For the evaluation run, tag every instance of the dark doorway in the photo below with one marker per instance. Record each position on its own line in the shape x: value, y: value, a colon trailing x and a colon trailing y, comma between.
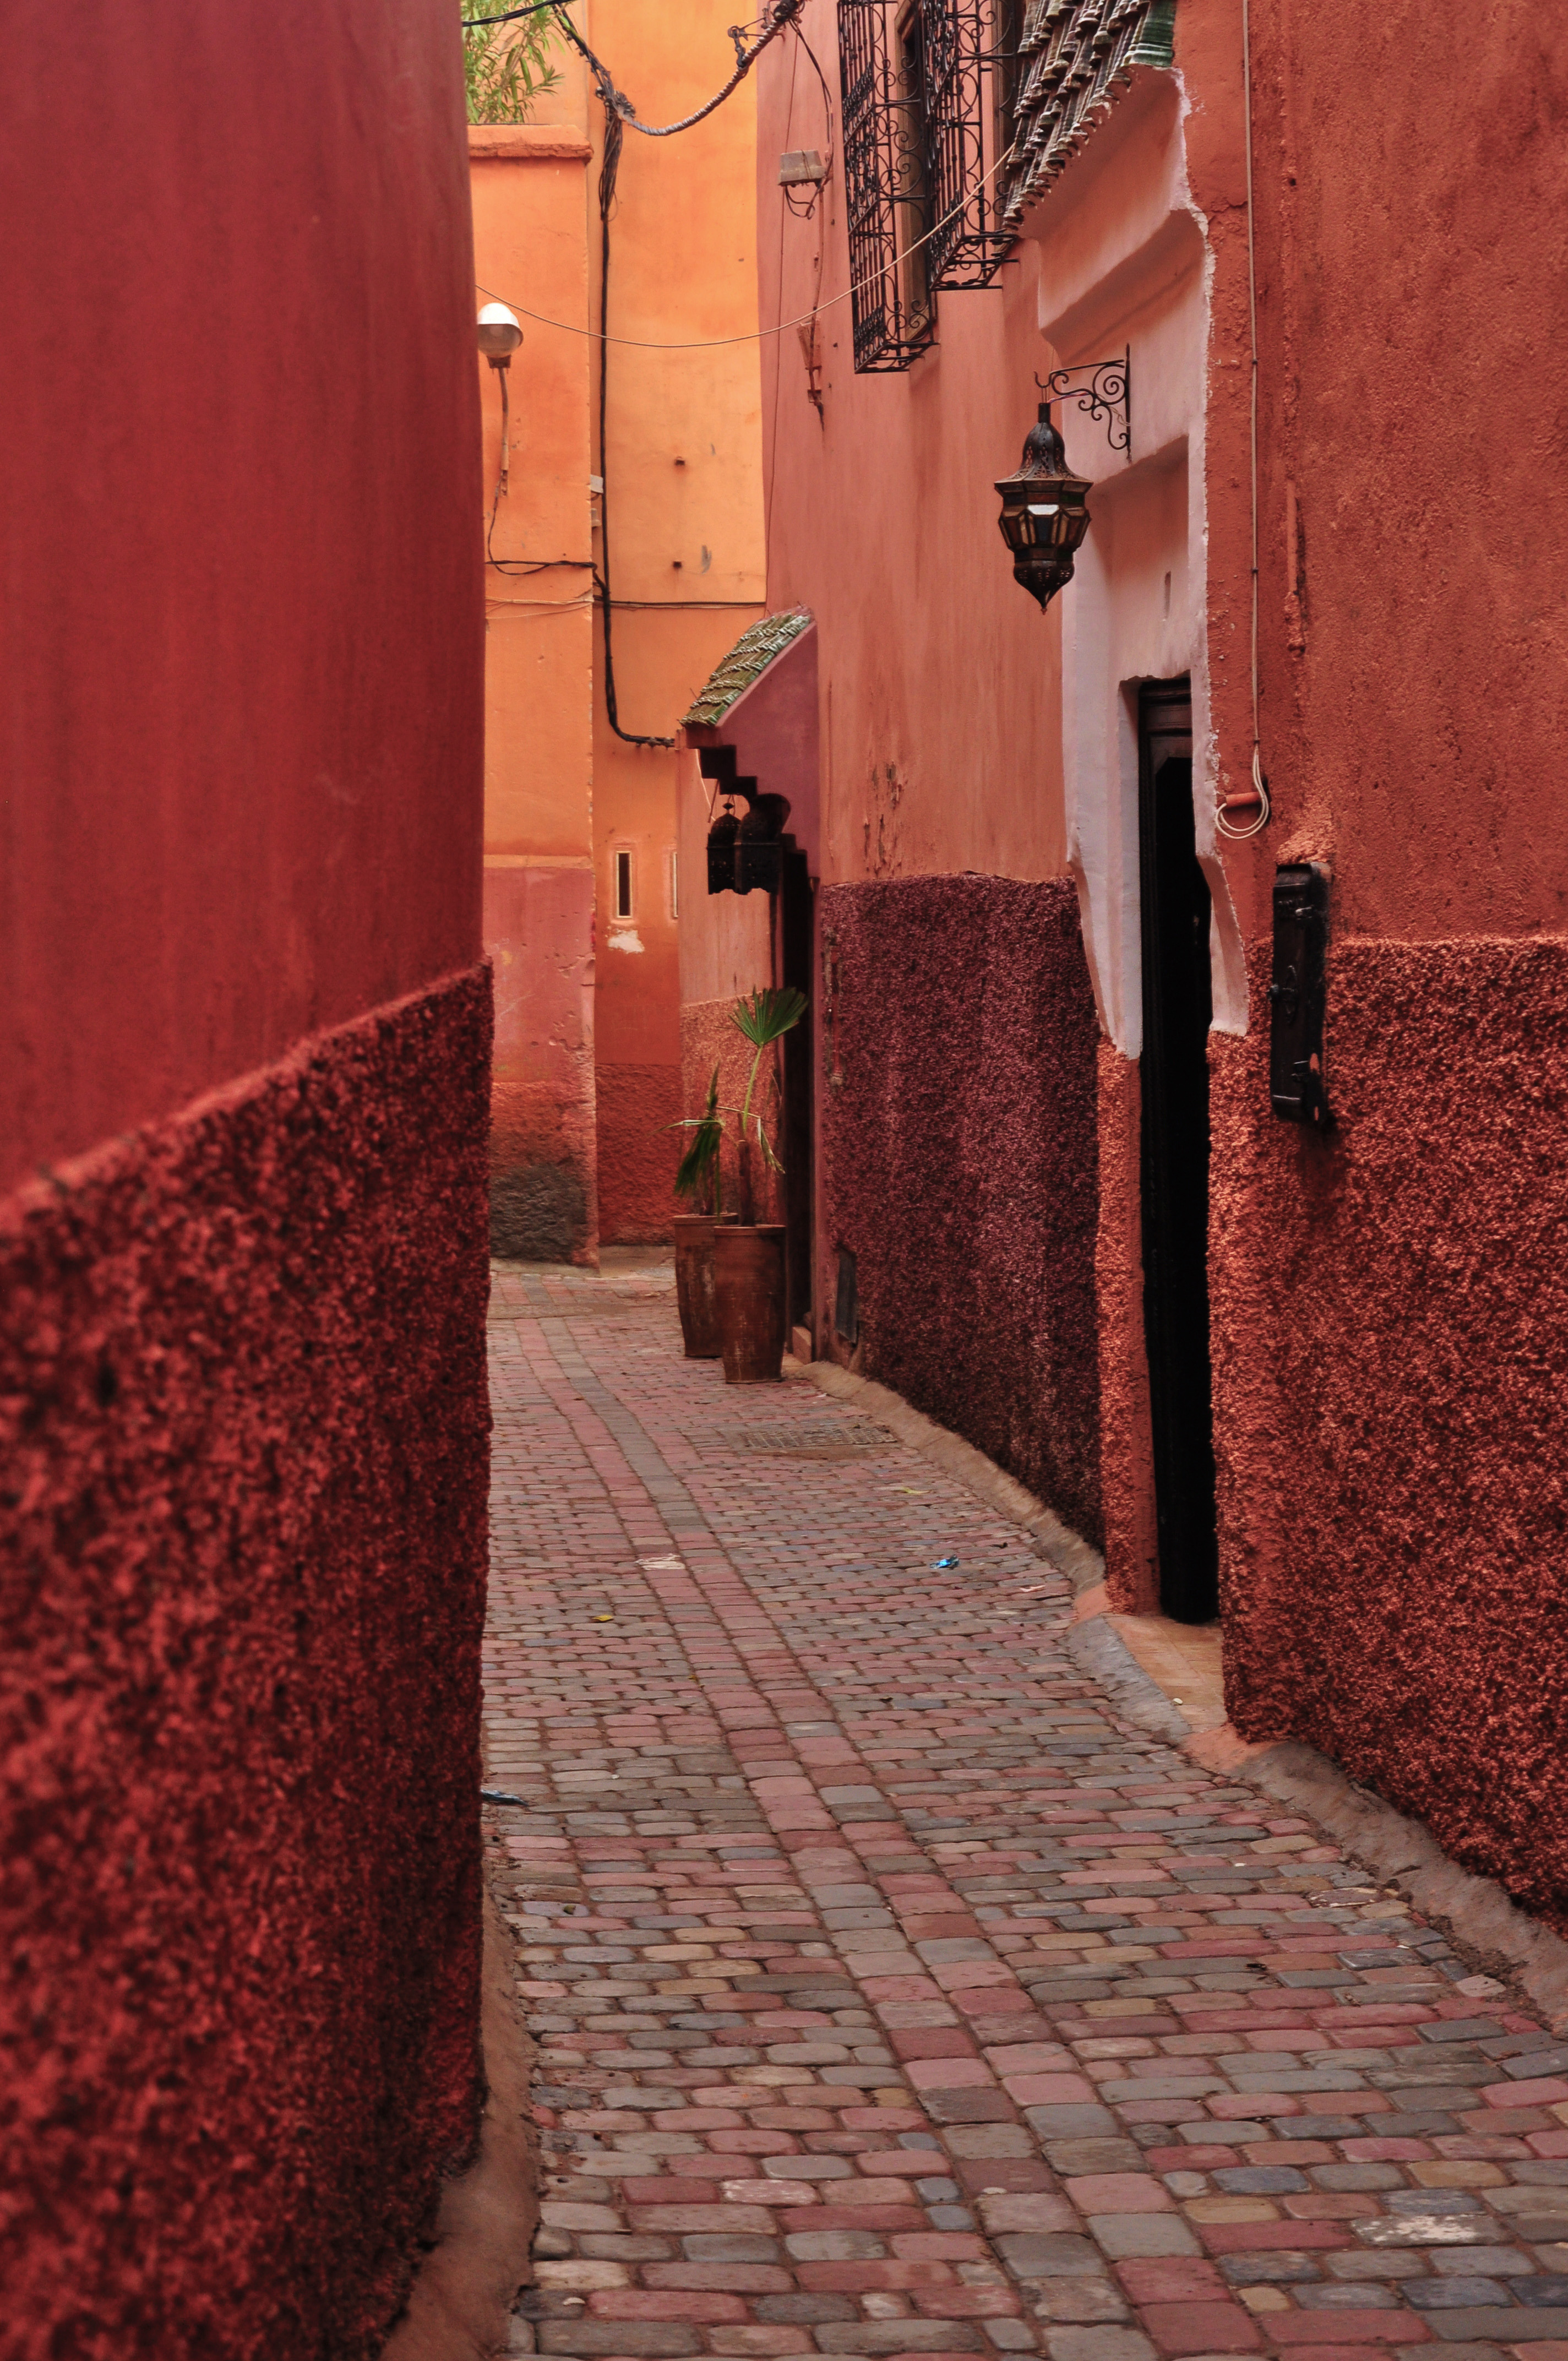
x: 795, y: 959
x: 1175, y: 1178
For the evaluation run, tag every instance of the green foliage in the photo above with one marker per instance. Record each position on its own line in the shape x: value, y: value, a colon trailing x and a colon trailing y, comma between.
x: 766, y: 1015
x: 700, y: 1165
x: 505, y: 66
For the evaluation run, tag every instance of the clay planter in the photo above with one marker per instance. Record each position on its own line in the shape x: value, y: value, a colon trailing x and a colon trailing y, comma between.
x: 748, y: 1281
x: 694, y: 1284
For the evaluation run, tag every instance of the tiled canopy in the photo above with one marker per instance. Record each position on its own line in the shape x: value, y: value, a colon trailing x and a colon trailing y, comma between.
x: 1075, y: 54
x: 752, y: 655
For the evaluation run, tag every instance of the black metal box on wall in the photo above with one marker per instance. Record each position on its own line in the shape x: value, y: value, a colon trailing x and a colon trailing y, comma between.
x: 1297, y: 994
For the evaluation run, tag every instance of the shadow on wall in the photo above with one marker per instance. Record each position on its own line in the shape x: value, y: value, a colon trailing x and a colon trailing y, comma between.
x: 960, y: 1164
x: 539, y: 1213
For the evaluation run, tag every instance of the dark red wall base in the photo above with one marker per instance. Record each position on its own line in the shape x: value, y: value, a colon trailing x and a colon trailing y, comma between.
x: 1390, y: 1334
x: 243, y: 1437
x: 960, y: 1162
x: 639, y: 1150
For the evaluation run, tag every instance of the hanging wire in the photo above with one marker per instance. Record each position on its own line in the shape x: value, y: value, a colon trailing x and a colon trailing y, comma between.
x: 784, y: 13
x: 751, y: 335
x: 1260, y: 819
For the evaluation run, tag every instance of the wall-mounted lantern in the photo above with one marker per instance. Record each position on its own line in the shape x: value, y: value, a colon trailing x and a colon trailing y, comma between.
x: 1044, y: 518
x: 745, y: 854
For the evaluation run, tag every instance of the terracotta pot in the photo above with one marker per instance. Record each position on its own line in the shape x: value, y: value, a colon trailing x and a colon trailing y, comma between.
x: 748, y: 1281
x: 694, y: 1284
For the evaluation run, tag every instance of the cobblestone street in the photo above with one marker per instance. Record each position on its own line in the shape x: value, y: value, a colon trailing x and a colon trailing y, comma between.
x: 894, y: 1996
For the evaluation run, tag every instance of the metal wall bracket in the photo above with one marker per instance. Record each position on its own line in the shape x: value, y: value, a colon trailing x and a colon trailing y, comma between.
x: 1108, y: 394
x: 1297, y: 1088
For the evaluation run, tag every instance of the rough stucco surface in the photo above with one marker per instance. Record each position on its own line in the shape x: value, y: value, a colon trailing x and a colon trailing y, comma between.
x: 637, y: 1152
x: 1390, y: 1335
x: 243, y: 1432
x: 959, y: 1164
x: 1126, y: 1451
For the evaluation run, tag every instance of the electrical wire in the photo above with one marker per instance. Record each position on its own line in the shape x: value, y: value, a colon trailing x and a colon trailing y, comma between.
x: 783, y: 14
x: 1261, y: 817
x: 751, y: 335
x: 608, y: 171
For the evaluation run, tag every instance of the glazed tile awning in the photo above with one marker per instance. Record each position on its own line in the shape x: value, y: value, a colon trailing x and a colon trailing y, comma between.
x: 750, y: 657
x: 1074, y: 56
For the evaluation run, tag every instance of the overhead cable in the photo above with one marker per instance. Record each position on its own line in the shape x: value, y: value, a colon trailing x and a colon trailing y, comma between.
x: 751, y: 335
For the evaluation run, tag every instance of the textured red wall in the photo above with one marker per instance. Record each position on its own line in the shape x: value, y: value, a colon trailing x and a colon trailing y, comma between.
x: 1389, y: 1304
x: 959, y: 1163
x: 637, y: 1152
x: 1389, y: 1324
x: 244, y: 1430
x: 240, y: 622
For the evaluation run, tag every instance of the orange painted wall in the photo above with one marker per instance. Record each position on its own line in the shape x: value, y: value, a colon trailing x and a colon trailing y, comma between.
x: 587, y: 1004
x: 684, y: 492
x: 529, y: 185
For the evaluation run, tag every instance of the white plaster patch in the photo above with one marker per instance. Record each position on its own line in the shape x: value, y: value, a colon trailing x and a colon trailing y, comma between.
x: 629, y: 940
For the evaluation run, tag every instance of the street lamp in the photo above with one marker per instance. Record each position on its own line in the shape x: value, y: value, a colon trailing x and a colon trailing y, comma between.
x: 1043, y: 518
x: 500, y: 333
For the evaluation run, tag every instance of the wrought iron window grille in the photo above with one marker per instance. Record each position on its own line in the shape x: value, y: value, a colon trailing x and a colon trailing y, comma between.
x: 922, y: 144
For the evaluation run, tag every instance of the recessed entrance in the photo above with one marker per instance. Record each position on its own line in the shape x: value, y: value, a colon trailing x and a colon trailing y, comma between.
x: 1174, y: 1068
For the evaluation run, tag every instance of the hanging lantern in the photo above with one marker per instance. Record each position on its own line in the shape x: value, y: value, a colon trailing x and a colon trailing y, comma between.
x: 721, y: 839
x: 1043, y: 518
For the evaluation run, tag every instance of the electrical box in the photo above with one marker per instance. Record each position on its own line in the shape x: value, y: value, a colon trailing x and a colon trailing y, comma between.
x: 799, y: 165
x: 1296, y: 1087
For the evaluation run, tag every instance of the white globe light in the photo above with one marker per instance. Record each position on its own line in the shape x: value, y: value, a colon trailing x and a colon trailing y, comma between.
x: 500, y: 333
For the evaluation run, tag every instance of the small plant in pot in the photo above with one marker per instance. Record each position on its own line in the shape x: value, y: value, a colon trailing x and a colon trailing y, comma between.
x: 749, y: 1272
x: 700, y: 1181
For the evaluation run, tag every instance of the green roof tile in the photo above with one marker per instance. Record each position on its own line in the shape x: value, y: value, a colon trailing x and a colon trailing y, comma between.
x: 750, y: 657
x: 1075, y: 57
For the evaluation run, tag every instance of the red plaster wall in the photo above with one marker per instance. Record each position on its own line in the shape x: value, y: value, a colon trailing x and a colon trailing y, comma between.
x: 242, y: 1425
x: 1388, y: 1304
x: 959, y: 1164
x: 240, y: 597
x: 244, y: 1431
x: 539, y: 931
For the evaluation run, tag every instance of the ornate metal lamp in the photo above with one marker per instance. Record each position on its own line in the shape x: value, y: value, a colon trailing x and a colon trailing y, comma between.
x: 1043, y: 518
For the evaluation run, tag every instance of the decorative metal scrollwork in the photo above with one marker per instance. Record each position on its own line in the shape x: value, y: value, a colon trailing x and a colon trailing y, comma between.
x: 921, y: 128
x: 1108, y: 394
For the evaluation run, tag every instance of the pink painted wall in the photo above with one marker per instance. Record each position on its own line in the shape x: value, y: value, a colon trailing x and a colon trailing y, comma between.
x: 940, y: 696
x: 240, y: 630
x: 246, y: 1038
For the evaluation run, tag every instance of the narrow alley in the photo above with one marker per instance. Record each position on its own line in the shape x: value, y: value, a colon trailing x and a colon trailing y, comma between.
x: 893, y: 1994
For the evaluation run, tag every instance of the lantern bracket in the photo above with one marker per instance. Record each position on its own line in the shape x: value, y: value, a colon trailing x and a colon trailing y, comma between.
x: 1108, y: 394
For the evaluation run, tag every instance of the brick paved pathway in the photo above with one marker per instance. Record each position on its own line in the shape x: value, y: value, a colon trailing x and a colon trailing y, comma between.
x: 894, y: 1996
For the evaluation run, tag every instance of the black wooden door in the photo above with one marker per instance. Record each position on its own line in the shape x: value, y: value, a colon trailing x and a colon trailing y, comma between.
x: 1175, y: 1178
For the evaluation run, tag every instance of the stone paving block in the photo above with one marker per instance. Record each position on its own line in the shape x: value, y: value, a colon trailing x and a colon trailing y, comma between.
x: 844, y: 1967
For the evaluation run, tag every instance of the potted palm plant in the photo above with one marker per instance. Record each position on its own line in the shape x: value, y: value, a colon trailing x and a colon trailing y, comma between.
x: 749, y: 1272
x: 700, y: 1181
